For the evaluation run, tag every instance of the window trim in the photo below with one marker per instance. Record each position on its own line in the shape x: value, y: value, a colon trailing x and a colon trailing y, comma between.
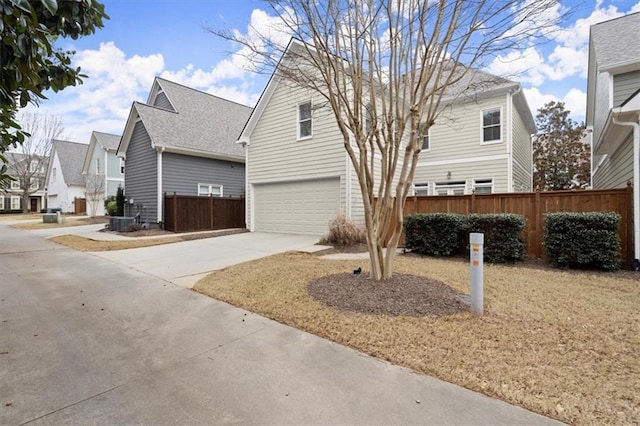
x: 209, y: 186
x: 482, y: 126
x: 15, y: 184
x: 483, y: 183
x: 53, y: 174
x: 1, y: 202
x: 421, y: 185
x: 299, y: 121
x: 12, y: 200
x: 428, y: 136
x: 121, y: 165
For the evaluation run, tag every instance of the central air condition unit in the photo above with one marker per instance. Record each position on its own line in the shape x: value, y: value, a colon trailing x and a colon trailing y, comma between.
x: 120, y: 223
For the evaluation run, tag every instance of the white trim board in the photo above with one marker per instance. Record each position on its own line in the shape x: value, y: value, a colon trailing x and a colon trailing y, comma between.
x: 464, y: 160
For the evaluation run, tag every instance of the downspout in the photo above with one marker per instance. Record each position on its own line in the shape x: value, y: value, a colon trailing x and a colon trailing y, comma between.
x: 636, y: 182
x: 348, y: 185
x: 247, y: 212
x: 160, y: 207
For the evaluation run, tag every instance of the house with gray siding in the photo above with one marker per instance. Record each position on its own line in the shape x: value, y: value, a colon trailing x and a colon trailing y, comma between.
x: 103, y: 171
x: 181, y: 140
x: 613, y: 107
x: 481, y: 143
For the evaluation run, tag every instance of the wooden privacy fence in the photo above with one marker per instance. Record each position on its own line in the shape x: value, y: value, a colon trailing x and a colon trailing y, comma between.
x: 79, y: 205
x: 534, y: 206
x: 185, y: 213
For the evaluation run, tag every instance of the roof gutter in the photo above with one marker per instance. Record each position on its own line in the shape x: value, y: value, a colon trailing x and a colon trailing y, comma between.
x: 636, y: 179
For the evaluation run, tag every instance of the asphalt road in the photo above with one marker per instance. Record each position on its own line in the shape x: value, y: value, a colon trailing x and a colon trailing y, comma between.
x: 84, y: 340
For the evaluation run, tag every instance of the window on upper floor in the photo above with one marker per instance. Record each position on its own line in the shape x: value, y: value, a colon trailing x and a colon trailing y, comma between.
x: 121, y: 166
x: 206, y: 189
x: 15, y: 184
x: 305, y: 120
x: 425, y: 142
x: 34, y: 183
x: 491, y: 125
x: 483, y: 186
x: 421, y: 189
x: 33, y: 166
x: 97, y: 166
x: 53, y: 175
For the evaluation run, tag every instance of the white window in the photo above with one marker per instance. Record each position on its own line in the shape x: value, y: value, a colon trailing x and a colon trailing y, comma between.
x: 450, y: 188
x: 33, y: 166
x: 15, y: 203
x: 421, y: 189
x: 483, y: 186
x: 53, y: 175
x: 305, y: 124
x: 15, y: 184
x: 121, y: 166
x: 206, y: 189
x: 97, y: 166
x: 1, y: 202
x: 425, y: 142
x: 34, y: 183
x: 491, y: 128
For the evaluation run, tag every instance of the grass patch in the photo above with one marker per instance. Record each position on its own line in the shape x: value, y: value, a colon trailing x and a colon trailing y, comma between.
x: 21, y: 216
x: 560, y: 344
x: 79, y: 243
x: 68, y: 221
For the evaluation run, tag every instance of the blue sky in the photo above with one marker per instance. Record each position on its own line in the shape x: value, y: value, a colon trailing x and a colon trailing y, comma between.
x: 168, y: 38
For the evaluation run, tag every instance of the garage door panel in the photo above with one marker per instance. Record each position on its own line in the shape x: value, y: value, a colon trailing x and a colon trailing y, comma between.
x: 301, y: 207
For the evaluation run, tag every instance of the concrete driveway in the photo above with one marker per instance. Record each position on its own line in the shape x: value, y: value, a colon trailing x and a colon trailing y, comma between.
x: 187, y: 262
x: 88, y: 341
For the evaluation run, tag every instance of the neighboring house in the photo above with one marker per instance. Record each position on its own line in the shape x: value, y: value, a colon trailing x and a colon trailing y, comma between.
x: 64, y: 181
x: 29, y: 170
x: 102, y: 170
x: 183, y: 141
x: 613, y: 107
x: 299, y: 176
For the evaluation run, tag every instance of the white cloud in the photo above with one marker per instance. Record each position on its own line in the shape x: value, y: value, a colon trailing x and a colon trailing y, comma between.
x: 526, y: 66
x: 575, y: 101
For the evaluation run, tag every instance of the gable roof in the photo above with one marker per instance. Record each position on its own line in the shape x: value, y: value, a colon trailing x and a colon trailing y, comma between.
x: 474, y: 85
x: 71, y: 156
x: 203, y: 125
x: 105, y: 141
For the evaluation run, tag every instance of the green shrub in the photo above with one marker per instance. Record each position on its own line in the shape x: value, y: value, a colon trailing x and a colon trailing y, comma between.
x: 112, y: 207
x: 583, y: 239
x: 502, y: 240
x: 434, y: 234
x: 343, y: 232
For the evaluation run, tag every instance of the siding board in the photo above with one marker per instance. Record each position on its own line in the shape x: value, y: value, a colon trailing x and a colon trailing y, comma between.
x: 617, y: 168
x: 141, y: 174
x: 624, y: 85
x: 182, y: 174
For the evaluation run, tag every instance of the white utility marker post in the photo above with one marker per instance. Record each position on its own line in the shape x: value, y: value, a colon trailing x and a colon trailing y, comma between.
x: 476, y: 243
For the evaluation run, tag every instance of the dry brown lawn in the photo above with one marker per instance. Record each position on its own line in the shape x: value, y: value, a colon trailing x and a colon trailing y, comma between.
x: 68, y: 221
x: 562, y: 344
x: 86, y: 244
x: 20, y: 216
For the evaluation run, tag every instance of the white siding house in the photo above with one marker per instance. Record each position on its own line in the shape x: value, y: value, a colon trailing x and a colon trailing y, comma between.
x: 64, y: 178
x: 299, y: 176
x: 613, y: 107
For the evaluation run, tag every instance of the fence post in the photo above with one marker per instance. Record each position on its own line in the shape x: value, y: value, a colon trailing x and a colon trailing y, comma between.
x: 211, y: 211
x: 175, y: 212
x: 538, y: 221
x: 631, y: 244
x: 473, y: 201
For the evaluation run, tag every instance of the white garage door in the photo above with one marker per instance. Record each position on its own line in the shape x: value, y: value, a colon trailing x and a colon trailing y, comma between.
x: 302, y: 207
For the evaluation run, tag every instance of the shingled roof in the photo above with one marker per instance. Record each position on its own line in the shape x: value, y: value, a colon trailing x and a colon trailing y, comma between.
x: 202, y: 124
x: 108, y: 141
x: 71, y: 156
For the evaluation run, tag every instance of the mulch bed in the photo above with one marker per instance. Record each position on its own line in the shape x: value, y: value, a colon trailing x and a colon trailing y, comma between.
x: 402, y: 295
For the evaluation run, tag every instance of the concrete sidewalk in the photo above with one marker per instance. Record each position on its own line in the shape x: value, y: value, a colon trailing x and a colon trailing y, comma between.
x: 87, y: 341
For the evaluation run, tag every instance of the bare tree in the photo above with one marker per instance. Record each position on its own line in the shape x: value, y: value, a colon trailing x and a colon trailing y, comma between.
x: 387, y: 69
x: 94, y: 191
x: 27, y: 163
